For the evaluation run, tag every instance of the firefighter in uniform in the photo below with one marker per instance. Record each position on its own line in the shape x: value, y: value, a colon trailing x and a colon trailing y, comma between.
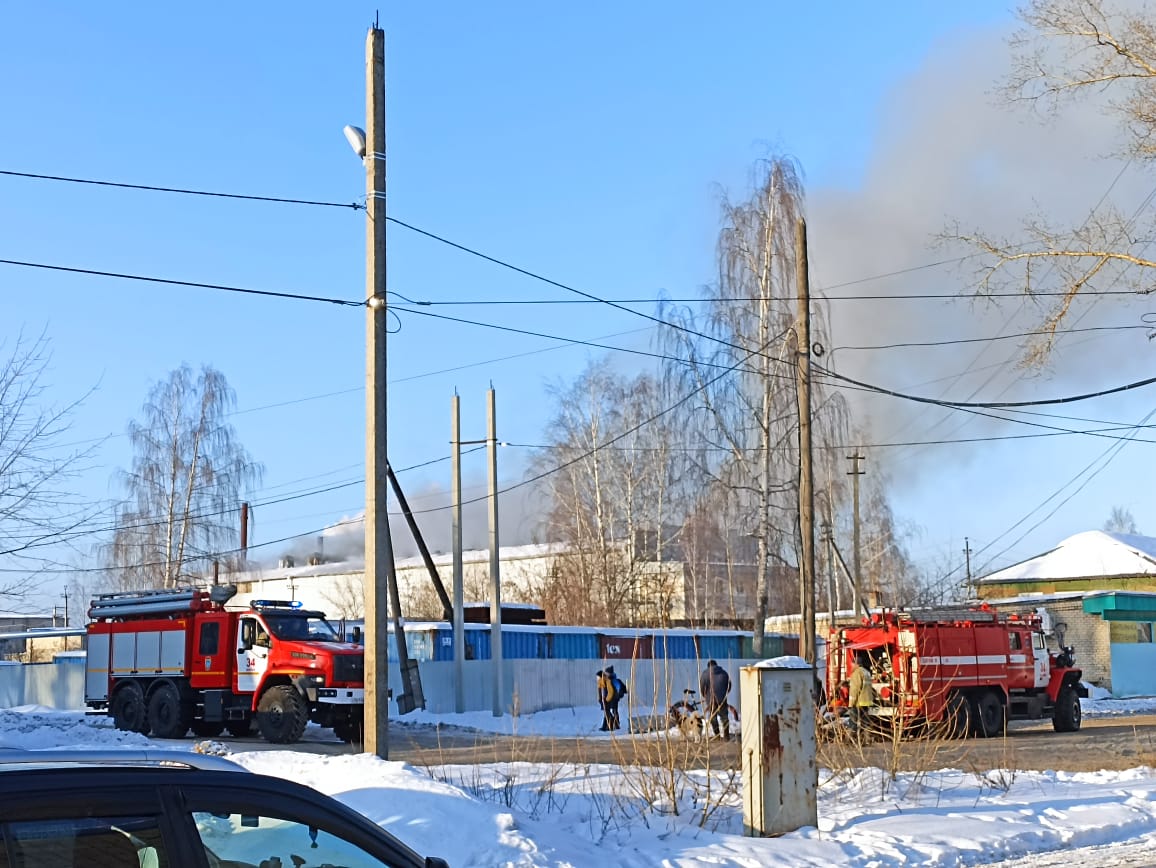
x: 861, y: 695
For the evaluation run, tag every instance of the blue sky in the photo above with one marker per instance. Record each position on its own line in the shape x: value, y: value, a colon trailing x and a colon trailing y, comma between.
x: 589, y: 144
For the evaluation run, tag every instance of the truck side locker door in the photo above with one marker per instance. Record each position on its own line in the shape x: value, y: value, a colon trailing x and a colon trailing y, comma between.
x: 209, y: 661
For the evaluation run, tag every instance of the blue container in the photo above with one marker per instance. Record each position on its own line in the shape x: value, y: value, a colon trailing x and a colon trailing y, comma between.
x: 571, y: 645
x: 715, y: 647
x: 675, y: 646
x: 419, y: 644
x: 521, y: 644
x: 442, y: 643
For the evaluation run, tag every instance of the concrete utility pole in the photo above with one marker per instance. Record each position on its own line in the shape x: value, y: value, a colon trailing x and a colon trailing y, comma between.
x: 378, y: 546
x: 495, y: 577
x: 827, y: 532
x: 806, y: 482
x: 855, y: 473
x: 456, y: 542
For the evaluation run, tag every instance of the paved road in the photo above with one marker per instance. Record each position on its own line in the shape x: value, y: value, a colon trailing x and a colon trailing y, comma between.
x: 1102, y: 743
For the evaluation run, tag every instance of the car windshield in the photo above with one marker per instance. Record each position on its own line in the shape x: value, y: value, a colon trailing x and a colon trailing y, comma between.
x: 301, y: 627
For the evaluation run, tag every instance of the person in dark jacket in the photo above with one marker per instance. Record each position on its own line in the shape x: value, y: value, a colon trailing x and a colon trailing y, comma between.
x: 714, y: 684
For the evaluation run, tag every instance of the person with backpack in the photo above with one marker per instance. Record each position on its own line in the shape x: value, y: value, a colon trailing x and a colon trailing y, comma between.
x: 615, y: 690
x: 714, y: 685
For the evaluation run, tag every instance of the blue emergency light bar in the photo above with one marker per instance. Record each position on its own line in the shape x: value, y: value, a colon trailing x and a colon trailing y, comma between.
x: 275, y: 604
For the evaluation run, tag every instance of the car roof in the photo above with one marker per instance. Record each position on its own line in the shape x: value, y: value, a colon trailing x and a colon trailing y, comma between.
x: 55, y: 774
x: 12, y: 759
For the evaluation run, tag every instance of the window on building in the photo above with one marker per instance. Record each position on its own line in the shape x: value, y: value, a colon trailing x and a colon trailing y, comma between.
x: 1130, y: 632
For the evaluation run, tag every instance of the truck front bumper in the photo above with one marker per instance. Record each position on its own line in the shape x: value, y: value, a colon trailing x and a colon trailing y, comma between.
x: 341, y: 695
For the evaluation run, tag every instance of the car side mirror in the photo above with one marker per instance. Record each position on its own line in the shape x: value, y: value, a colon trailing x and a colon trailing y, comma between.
x: 356, y: 635
x: 436, y: 862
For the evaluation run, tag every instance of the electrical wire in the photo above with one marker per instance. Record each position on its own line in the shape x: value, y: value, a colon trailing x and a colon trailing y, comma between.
x: 575, y: 341
x: 957, y: 341
x: 990, y: 405
x: 56, y: 538
x: 186, y: 283
x: 668, y: 409
x: 356, y: 206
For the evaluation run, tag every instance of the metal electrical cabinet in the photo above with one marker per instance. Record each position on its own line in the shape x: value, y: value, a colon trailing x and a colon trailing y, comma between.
x: 780, y: 772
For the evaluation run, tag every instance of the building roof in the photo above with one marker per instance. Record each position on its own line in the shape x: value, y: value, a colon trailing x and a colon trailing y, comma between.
x: 1091, y: 554
x: 355, y: 566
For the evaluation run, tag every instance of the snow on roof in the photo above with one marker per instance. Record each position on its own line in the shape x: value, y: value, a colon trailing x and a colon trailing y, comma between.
x: 356, y: 565
x: 1092, y: 553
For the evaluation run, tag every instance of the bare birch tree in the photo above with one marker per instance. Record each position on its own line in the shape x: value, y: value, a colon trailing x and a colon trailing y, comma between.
x: 612, y: 503
x: 36, y: 510
x: 750, y: 418
x: 188, y: 477
x: 1070, y: 50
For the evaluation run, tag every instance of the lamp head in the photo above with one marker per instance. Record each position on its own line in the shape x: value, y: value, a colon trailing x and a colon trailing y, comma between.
x: 356, y: 138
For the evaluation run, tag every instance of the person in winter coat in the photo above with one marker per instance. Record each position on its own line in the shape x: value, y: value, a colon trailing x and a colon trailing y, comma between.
x: 860, y: 694
x: 613, y: 695
x: 713, y: 686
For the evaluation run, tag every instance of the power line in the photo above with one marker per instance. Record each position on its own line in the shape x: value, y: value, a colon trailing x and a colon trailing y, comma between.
x: 566, y: 287
x: 186, y: 283
x: 737, y: 299
x: 575, y: 341
x: 953, y: 342
x: 990, y: 405
x: 56, y: 538
x: 280, y: 199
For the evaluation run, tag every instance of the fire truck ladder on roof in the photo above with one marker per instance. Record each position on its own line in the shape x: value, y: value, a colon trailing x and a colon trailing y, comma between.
x: 123, y: 604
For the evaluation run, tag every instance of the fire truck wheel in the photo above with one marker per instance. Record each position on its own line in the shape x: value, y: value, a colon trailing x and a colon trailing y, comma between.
x: 207, y: 728
x: 128, y: 709
x: 1068, y: 715
x: 957, y: 717
x: 989, y: 716
x: 166, y: 716
x: 282, y: 715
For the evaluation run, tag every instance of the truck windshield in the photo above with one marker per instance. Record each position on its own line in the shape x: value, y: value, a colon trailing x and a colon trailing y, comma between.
x: 300, y: 627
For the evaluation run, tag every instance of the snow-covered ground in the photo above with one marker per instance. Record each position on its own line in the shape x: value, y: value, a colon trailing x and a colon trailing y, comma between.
x: 537, y: 814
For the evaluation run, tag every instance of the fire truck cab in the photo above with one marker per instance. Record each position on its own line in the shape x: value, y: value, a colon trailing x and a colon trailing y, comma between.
x: 965, y: 675
x: 168, y: 661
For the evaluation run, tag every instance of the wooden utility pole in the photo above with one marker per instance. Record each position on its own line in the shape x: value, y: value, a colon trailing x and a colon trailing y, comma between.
x: 378, y: 546
x: 456, y: 544
x: 806, y: 482
x: 244, y: 529
x: 967, y: 555
x: 495, y: 576
x: 855, y: 473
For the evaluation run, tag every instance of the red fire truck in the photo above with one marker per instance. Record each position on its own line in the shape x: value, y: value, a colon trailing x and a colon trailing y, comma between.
x: 964, y: 675
x: 168, y: 661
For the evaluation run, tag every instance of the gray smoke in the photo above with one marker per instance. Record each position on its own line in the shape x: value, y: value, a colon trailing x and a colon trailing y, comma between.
x: 949, y: 150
